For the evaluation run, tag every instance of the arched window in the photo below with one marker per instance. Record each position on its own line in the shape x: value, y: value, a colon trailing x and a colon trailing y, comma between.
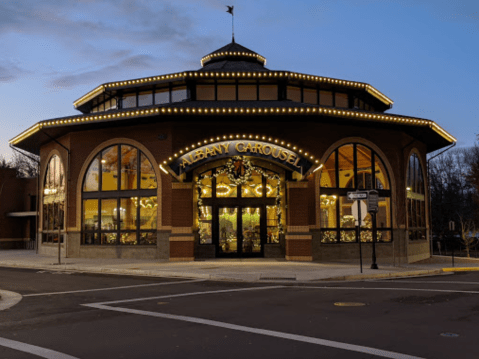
x: 53, y: 201
x: 353, y: 167
x: 119, y: 203
x: 416, y: 208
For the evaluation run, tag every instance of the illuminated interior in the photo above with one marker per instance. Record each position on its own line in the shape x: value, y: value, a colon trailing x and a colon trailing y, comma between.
x: 53, y: 201
x: 220, y: 201
x: 416, y: 205
x: 119, y: 198
x: 353, y: 167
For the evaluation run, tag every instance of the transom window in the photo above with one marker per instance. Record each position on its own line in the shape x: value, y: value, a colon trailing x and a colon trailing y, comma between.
x: 416, y: 205
x: 119, y: 198
x: 353, y: 167
x: 53, y: 201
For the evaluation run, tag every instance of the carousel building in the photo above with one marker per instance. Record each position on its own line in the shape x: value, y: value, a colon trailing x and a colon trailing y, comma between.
x: 233, y: 160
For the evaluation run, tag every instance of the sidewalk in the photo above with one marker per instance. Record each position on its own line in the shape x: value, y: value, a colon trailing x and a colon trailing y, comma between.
x: 249, y: 270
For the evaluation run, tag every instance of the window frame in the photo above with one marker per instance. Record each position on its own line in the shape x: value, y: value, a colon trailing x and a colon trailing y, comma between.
x: 117, y: 195
x: 342, y: 193
x: 416, y: 199
x: 48, y: 234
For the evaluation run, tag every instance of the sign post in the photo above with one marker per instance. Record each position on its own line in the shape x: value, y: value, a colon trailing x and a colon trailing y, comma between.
x: 357, y: 195
x: 451, y: 229
x: 373, y: 208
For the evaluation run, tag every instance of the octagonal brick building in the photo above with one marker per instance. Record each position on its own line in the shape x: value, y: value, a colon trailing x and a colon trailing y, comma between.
x: 233, y: 160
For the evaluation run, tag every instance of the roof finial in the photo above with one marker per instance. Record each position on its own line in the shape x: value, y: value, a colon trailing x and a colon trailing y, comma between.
x: 230, y: 10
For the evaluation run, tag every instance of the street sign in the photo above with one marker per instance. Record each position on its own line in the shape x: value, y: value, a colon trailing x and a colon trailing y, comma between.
x: 354, y: 212
x: 373, y: 201
x: 357, y: 195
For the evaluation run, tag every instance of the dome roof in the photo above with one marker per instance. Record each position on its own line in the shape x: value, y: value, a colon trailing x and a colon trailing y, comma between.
x: 233, y: 57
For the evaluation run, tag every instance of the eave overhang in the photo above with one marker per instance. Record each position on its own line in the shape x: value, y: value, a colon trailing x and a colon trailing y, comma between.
x: 31, y: 139
x: 183, y: 76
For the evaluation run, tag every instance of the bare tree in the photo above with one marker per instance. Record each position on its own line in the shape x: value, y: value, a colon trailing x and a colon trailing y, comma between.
x: 468, y: 234
x: 454, y: 195
x: 26, y: 165
x: 4, y: 164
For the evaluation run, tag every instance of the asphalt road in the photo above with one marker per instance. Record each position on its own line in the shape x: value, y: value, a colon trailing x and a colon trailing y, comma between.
x: 65, y: 315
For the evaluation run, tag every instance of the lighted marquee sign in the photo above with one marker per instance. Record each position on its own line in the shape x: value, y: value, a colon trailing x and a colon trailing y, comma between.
x: 264, y: 150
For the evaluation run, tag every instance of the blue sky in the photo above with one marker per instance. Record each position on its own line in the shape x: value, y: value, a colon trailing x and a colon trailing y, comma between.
x: 421, y: 53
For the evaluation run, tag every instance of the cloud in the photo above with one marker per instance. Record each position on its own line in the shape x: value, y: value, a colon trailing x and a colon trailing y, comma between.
x: 132, y: 63
x: 10, y: 72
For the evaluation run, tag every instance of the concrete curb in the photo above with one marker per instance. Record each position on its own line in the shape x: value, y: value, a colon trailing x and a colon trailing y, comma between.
x: 386, y: 275
x: 263, y: 278
x: 460, y: 269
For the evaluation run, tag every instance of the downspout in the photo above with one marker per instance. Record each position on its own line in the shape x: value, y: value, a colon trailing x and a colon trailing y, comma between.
x: 67, y: 191
x: 37, y: 200
x: 429, y: 195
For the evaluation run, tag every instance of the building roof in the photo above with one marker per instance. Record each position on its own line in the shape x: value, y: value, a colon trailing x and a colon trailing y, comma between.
x: 233, y: 57
x: 230, y: 62
x: 41, y: 133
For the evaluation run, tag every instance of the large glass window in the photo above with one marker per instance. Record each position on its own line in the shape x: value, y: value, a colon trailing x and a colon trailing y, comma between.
x: 119, y: 205
x: 416, y: 205
x: 53, y: 201
x: 353, y: 167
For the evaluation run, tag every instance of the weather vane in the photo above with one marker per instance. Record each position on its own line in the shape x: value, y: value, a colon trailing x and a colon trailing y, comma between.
x: 230, y: 10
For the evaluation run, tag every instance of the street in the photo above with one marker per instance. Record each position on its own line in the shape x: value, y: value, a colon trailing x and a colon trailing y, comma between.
x: 78, y: 315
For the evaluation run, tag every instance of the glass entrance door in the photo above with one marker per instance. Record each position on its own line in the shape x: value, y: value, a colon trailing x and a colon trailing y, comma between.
x: 228, y: 232
x: 239, y: 232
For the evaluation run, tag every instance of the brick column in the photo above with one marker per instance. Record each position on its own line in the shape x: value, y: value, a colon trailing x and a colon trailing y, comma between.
x: 298, y: 237
x: 182, y: 238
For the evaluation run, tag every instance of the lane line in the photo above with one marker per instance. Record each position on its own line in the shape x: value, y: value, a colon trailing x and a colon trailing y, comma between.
x: 395, y: 289
x: 115, y: 288
x: 270, y: 333
x: 186, y: 295
x: 33, y: 349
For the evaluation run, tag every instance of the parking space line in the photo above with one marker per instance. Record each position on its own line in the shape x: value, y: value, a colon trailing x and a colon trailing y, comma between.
x: 270, y: 333
x: 395, y: 289
x: 33, y: 349
x: 184, y: 295
x: 115, y: 288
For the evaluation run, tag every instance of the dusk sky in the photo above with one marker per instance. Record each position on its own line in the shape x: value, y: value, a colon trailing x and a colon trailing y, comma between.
x: 423, y: 54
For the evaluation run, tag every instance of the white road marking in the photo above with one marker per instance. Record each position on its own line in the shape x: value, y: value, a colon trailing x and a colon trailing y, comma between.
x: 186, y: 295
x: 271, y: 333
x: 395, y: 289
x: 55, y: 272
x: 115, y: 288
x: 9, y: 299
x: 33, y: 349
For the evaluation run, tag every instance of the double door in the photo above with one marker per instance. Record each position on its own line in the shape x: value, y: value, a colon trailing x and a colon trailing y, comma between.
x: 240, y: 231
